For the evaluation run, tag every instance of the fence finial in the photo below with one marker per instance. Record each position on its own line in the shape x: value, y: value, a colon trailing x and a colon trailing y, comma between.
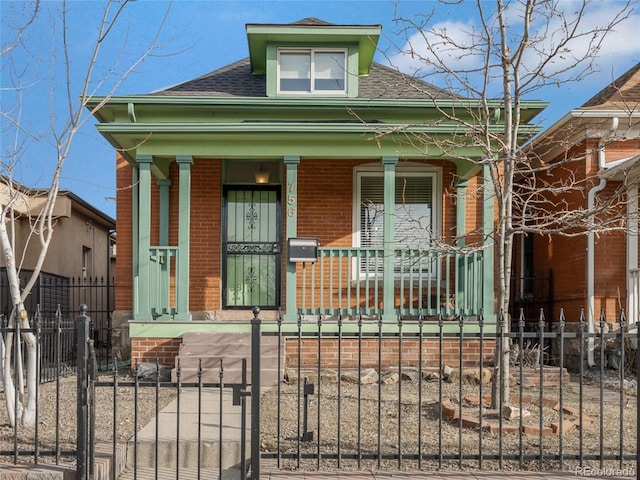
x: 83, y: 309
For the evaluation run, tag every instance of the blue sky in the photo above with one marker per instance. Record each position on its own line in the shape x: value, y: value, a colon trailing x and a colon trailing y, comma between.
x: 200, y: 36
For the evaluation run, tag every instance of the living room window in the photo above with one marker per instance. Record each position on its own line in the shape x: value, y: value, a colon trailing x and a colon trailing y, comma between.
x: 312, y: 71
x: 416, y: 222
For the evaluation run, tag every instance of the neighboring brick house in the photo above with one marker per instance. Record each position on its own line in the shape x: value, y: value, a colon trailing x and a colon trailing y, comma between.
x: 82, y: 249
x: 226, y: 181
x: 598, y: 270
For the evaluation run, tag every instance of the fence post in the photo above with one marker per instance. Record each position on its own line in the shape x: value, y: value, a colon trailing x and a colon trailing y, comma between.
x: 82, y: 331
x: 255, y: 394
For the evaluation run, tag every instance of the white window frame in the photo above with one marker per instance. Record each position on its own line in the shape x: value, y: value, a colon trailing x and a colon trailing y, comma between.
x: 312, y: 90
x: 404, y: 170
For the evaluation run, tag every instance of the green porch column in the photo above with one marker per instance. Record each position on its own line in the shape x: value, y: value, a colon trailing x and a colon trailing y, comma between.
x: 461, y: 228
x: 135, y: 207
x: 388, y: 290
x: 141, y: 300
x: 291, y: 163
x: 184, y: 224
x: 488, y: 251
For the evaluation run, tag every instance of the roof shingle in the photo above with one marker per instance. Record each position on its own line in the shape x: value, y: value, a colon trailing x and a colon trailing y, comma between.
x: 621, y: 94
x: 236, y: 80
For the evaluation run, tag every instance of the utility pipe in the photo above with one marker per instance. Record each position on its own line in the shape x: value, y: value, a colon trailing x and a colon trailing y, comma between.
x: 591, y: 245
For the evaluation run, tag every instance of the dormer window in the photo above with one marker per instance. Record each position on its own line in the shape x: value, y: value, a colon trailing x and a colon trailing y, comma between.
x: 312, y: 71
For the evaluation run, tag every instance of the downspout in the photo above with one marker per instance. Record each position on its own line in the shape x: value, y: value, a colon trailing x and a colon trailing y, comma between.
x: 591, y: 245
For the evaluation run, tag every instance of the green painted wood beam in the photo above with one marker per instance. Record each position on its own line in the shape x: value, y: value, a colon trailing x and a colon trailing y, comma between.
x: 291, y: 163
x: 184, y: 236
x: 142, y: 303
x: 488, y: 291
x: 135, y: 237
x: 461, y: 230
x: 270, y: 146
x: 388, y: 286
x: 174, y: 329
x: 113, y: 105
x: 319, y: 127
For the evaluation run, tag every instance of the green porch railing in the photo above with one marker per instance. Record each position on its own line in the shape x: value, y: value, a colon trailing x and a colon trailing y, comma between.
x: 163, y: 265
x: 351, y: 281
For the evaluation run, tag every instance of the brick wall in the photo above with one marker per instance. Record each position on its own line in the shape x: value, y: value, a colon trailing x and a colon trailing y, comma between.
x: 162, y: 350
x: 391, y: 349
x: 567, y: 255
x: 124, y: 222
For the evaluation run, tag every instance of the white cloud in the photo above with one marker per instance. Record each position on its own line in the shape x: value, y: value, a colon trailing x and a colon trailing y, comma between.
x: 457, y: 45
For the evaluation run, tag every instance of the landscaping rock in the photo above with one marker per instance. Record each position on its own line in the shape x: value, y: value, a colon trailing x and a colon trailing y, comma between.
x: 432, y: 376
x: 147, y: 371
x: 411, y: 375
x: 367, y: 376
x: 471, y: 376
x: 513, y: 413
x: 390, y: 378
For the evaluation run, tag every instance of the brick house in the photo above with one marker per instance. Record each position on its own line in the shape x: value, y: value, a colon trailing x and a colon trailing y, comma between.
x: 598, y: 270
x: 266, y: 182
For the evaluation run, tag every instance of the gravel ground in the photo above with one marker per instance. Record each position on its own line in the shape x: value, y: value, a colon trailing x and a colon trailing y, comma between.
x: 383, y: 428
x: 66, y: 390
x: 397, y: 424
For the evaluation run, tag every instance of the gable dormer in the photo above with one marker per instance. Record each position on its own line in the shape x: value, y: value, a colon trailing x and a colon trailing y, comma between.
x: 312, y: 57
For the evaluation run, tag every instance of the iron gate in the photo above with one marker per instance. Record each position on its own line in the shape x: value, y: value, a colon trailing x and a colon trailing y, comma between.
x: 196, y: 435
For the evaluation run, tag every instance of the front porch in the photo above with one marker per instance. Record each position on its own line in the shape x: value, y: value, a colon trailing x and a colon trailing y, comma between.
x: 365, y: 266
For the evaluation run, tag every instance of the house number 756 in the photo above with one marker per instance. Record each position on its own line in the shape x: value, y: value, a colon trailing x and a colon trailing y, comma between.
x: 291, y: 200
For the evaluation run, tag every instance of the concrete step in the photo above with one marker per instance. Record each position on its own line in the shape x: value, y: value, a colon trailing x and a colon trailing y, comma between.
x: 205, y: 429
x: 268, y: 376
x: 190, y: 473
x: 207, y: 349
x: 212, y: 338
x: 186, y: 454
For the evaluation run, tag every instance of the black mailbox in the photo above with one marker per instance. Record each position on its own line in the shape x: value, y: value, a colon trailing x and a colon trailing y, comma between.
x: 302, y: 249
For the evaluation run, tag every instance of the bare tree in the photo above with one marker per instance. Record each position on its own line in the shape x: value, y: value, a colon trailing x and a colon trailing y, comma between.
x: 512, y: 51
x: 65, y: 123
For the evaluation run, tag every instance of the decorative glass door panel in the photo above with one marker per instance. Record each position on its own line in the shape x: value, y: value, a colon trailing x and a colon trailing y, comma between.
x: 251, y: 264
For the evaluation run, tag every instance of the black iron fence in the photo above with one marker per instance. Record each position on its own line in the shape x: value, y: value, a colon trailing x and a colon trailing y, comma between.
x: 55, y: 344
x: 361, y: 394
x: 419, y: 394
x: 56, y: 295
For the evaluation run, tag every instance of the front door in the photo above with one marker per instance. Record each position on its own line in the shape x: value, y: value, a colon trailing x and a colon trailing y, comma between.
x: 251, y: 247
